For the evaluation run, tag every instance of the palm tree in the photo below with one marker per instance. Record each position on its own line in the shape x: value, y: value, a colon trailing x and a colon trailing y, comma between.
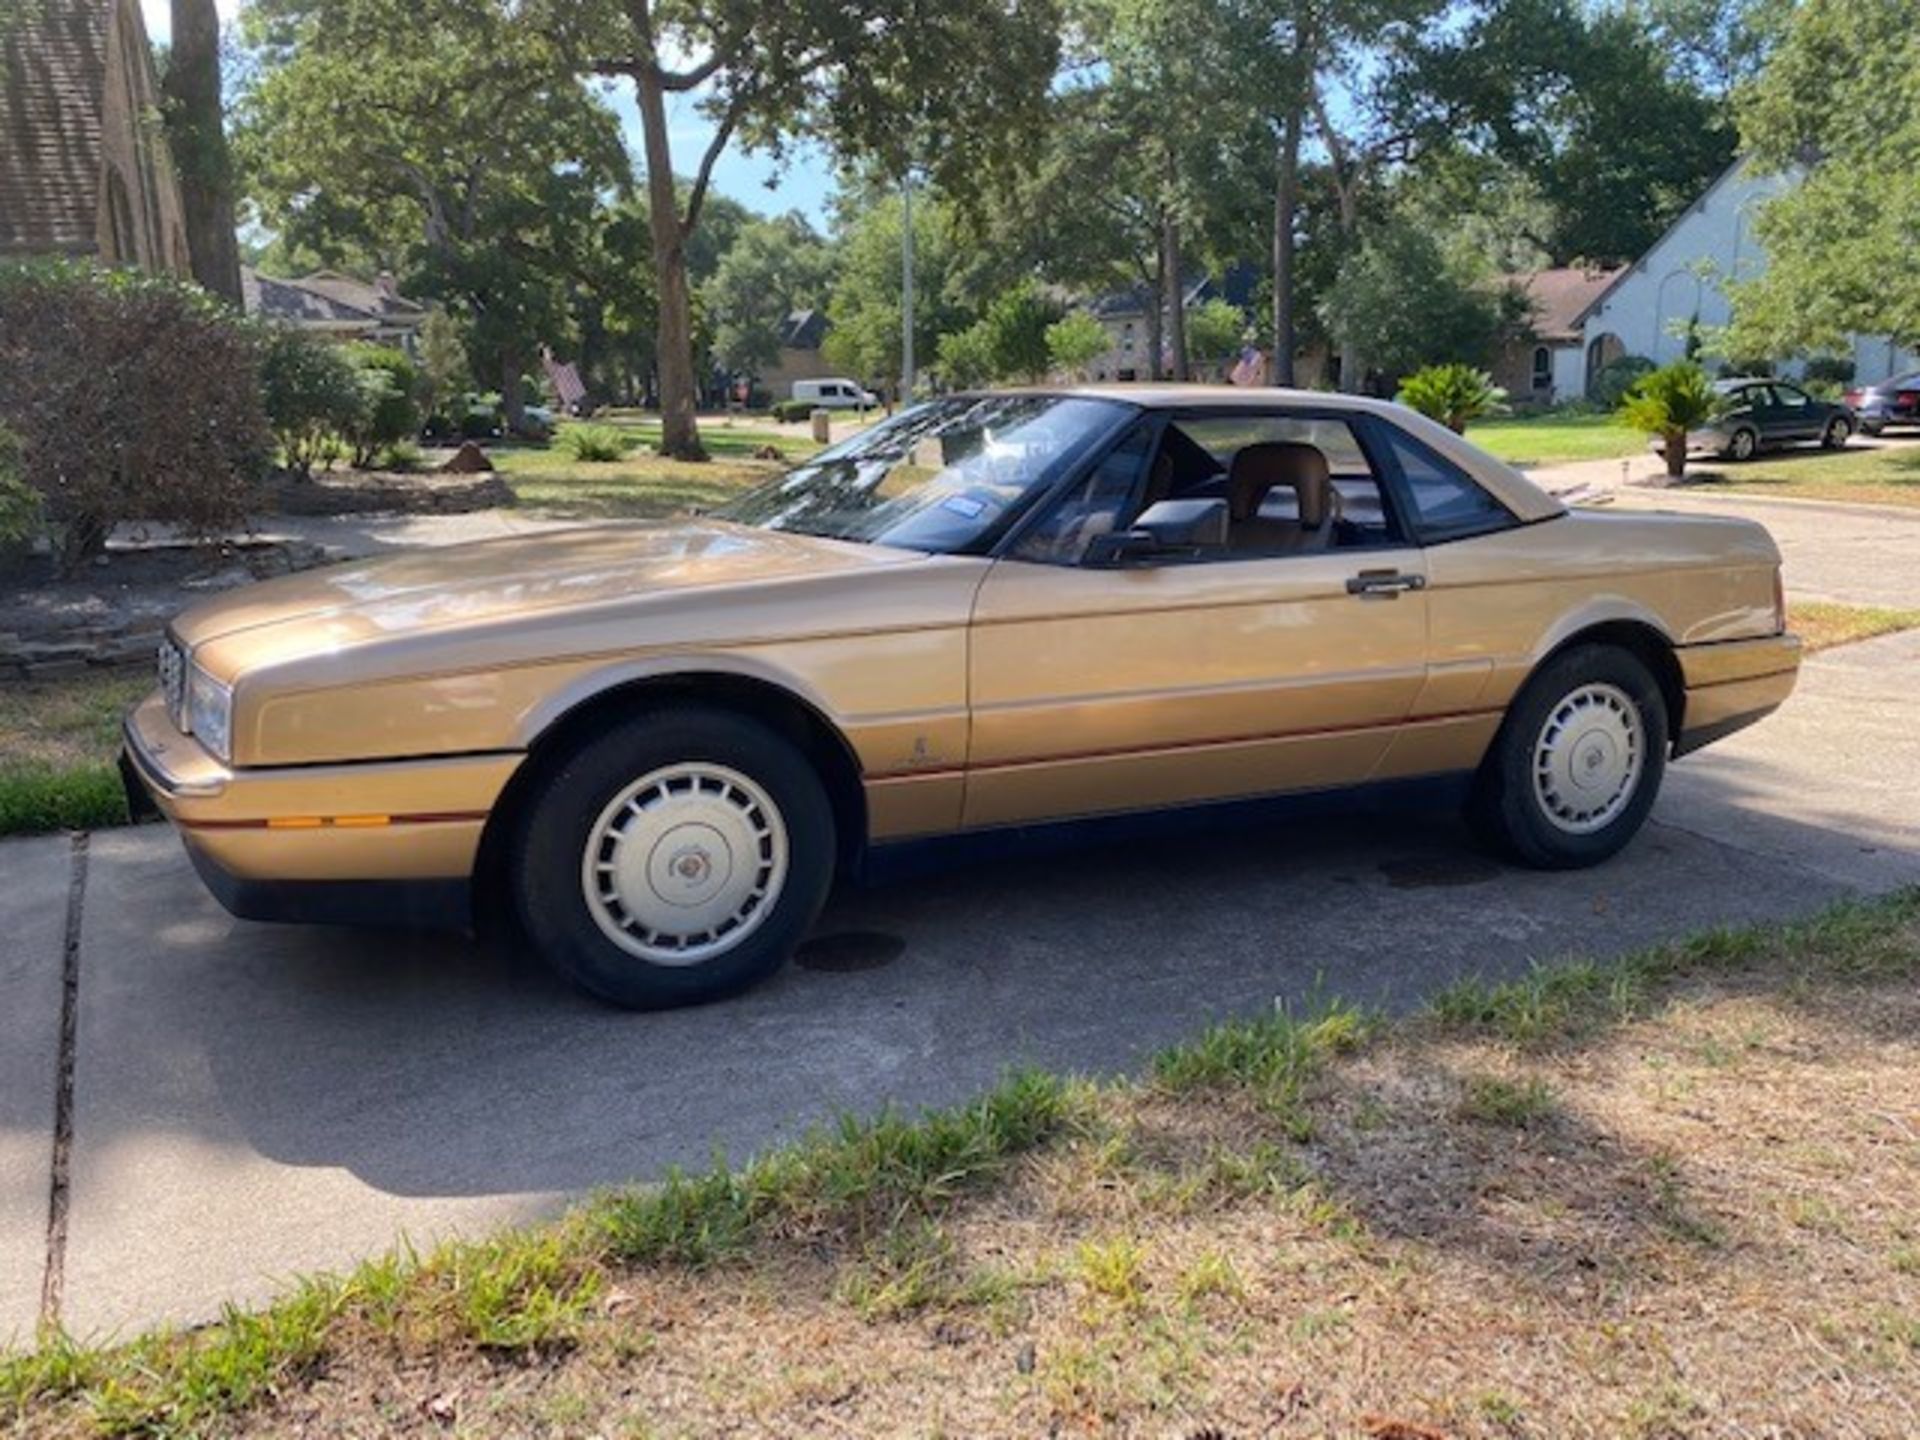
x: 1452, y: 394
x: 1668, y: 403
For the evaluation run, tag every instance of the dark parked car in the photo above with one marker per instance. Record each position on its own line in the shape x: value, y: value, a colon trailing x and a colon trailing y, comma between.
x: 1894, y: 401
x: 1759, y: 414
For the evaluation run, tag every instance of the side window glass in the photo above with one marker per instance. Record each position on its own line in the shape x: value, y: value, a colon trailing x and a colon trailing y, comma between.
x: 1269, y: 466
x: 1447, y: 503
x: 1788, y: 397
x: 1097, y: 505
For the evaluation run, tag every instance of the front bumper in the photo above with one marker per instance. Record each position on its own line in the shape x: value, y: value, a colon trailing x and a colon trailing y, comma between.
x: 1731, y: 684
x: 299, y: 841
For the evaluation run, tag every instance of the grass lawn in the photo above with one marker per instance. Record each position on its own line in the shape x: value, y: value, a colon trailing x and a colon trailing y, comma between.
x: 1873, y: 472
x: 1551, y: 439
x: 58, y: 739
x: 642, y: 485
x: 1666, y: 1195
x: 1822, y: 624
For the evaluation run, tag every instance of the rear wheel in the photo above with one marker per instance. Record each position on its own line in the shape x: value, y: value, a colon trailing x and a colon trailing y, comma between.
x: 1743, y: 445
x: 674, y: 858
x: 1837, y: 434
x: 1577, y: 763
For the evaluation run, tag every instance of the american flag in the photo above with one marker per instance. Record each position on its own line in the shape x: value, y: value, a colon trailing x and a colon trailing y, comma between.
x: 567, y: 386
x: 1252, y: 368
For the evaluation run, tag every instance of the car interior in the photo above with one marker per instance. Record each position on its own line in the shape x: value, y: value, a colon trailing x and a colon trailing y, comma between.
x: 1292, y: 485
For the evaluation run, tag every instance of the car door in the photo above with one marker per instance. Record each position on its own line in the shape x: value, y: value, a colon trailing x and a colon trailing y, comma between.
x: 1794, y: 414
x: 1198, y: 677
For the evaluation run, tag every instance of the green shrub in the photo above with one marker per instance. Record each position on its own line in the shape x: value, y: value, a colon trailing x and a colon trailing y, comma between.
x: 19, y: 501
x: 594, y: 444
x: 1452, y: 394
x: 789, y: 411
x: 36, y: 798
x: 1609, y: 387
x: 390, y: 391
x: 401, y: 456
x: 1667, y: 403
x: 132, y: 396
x: 1834, y: 370
x: 314, y: 396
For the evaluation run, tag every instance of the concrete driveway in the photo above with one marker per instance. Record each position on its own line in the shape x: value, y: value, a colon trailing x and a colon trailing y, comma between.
x: 247, y: 1102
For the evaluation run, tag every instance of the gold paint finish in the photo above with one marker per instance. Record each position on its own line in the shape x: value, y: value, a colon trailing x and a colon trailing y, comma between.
x: 381, y: 707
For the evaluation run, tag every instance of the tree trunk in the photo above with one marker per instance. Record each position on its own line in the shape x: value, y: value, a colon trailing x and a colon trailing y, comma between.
x: 198, y: 141
x: 1175, y: 290
x: 1674, y: 451
x: 679, y: 432
x: 1286, y: 200
x: 513, y: 398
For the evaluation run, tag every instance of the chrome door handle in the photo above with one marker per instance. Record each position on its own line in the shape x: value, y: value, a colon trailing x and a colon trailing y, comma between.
x: 1384, y: 582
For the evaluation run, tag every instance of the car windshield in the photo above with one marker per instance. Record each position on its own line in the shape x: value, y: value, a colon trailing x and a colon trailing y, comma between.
x: 941, y: 477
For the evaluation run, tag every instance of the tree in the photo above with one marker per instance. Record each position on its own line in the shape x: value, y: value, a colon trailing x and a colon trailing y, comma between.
x: 773, y: 268
x: 1841, y: 96
x: 197, y: 138
x: 447, y: 138
x: 1668, y: 403
x: 864, y: 309
x: 1455, y: 395
x: 947, y: 88
x: 1215, y: 330
x: 1075, y: 341
x: 1403, y: 301
x: 1589, y: 103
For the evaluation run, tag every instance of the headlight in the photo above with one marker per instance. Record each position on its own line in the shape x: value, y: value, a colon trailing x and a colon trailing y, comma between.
x: 210, y: 713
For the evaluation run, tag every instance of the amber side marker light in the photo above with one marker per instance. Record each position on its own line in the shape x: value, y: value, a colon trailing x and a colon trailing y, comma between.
x: 316, y: 822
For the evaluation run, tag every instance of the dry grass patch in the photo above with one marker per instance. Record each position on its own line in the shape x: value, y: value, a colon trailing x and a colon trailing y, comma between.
x: 1822, y: 624
x: 1669, y: 1196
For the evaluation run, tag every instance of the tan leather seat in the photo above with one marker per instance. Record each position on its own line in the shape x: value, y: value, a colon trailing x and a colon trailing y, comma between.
x: 1258, y: 469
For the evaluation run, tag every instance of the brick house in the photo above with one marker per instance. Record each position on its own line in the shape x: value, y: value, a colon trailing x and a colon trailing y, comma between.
x: 84, y: 168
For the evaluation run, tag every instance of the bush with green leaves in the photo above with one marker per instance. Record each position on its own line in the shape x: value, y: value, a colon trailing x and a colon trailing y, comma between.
x: 1666, y: 404
x: 132, y: 397
x: 789, y: 411
x: 1455, y: 395
x: 593, y: 444
x: 391, y: 388
x: 1611, y: 381
x: 1076, y: 340
x: 19, y: 501
x: 314, y: 396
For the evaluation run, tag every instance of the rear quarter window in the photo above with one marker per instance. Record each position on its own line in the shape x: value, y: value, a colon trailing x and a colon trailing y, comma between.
x: 1443, y: 502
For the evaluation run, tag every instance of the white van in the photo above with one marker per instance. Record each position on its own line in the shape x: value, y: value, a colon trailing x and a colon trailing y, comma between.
x: 834, y: 394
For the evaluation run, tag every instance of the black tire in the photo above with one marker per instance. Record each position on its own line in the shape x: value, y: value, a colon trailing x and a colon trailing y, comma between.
x: 1508, y: 810
x: 1744, y: 444
x: 546, y: 858
x: 1837, y: 433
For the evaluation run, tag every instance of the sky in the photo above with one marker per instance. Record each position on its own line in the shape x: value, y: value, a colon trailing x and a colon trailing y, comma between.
x: 804, y: 184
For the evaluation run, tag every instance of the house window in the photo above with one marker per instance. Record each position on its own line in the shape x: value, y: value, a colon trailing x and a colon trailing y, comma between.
x: 1542, y: 368
x: 1126, y: 337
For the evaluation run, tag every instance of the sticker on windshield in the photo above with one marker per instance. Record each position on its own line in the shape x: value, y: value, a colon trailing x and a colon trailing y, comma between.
x: 964, y: 505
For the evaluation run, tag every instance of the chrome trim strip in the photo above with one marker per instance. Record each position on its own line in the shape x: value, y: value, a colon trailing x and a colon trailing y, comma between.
x: 157, y: 775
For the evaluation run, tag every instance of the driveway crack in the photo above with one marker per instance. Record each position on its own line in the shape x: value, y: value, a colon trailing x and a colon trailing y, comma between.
x: 54, y: 1281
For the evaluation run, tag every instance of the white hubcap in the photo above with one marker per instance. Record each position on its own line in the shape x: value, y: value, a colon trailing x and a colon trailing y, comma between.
x: 685, y: 863
x: 1587, y: 761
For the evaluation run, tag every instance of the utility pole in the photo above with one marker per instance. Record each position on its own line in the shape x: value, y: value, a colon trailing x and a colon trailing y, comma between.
x: 906, y: 288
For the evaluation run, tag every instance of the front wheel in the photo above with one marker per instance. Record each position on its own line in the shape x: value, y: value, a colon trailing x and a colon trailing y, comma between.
x: 677, y: 857
x: 1577, y: 763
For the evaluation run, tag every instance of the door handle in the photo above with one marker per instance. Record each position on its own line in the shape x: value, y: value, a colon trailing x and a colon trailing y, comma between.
x: 1384, y: 582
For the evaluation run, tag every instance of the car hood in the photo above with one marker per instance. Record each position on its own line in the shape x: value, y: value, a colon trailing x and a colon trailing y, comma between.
x: 494, y: 581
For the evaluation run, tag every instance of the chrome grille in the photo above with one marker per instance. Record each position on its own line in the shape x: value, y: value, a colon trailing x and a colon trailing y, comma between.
x: 173, y: 681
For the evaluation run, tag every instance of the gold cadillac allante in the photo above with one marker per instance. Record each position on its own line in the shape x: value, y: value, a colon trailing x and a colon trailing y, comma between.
x: 661, y: 742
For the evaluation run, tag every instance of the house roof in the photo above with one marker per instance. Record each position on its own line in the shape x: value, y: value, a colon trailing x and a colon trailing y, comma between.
x: 1738, y: 164
x: 53, y: 61
x: 1236, y: 286
x: 1559, y: 297
x: 803, y: 330
x: 326, y: 300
